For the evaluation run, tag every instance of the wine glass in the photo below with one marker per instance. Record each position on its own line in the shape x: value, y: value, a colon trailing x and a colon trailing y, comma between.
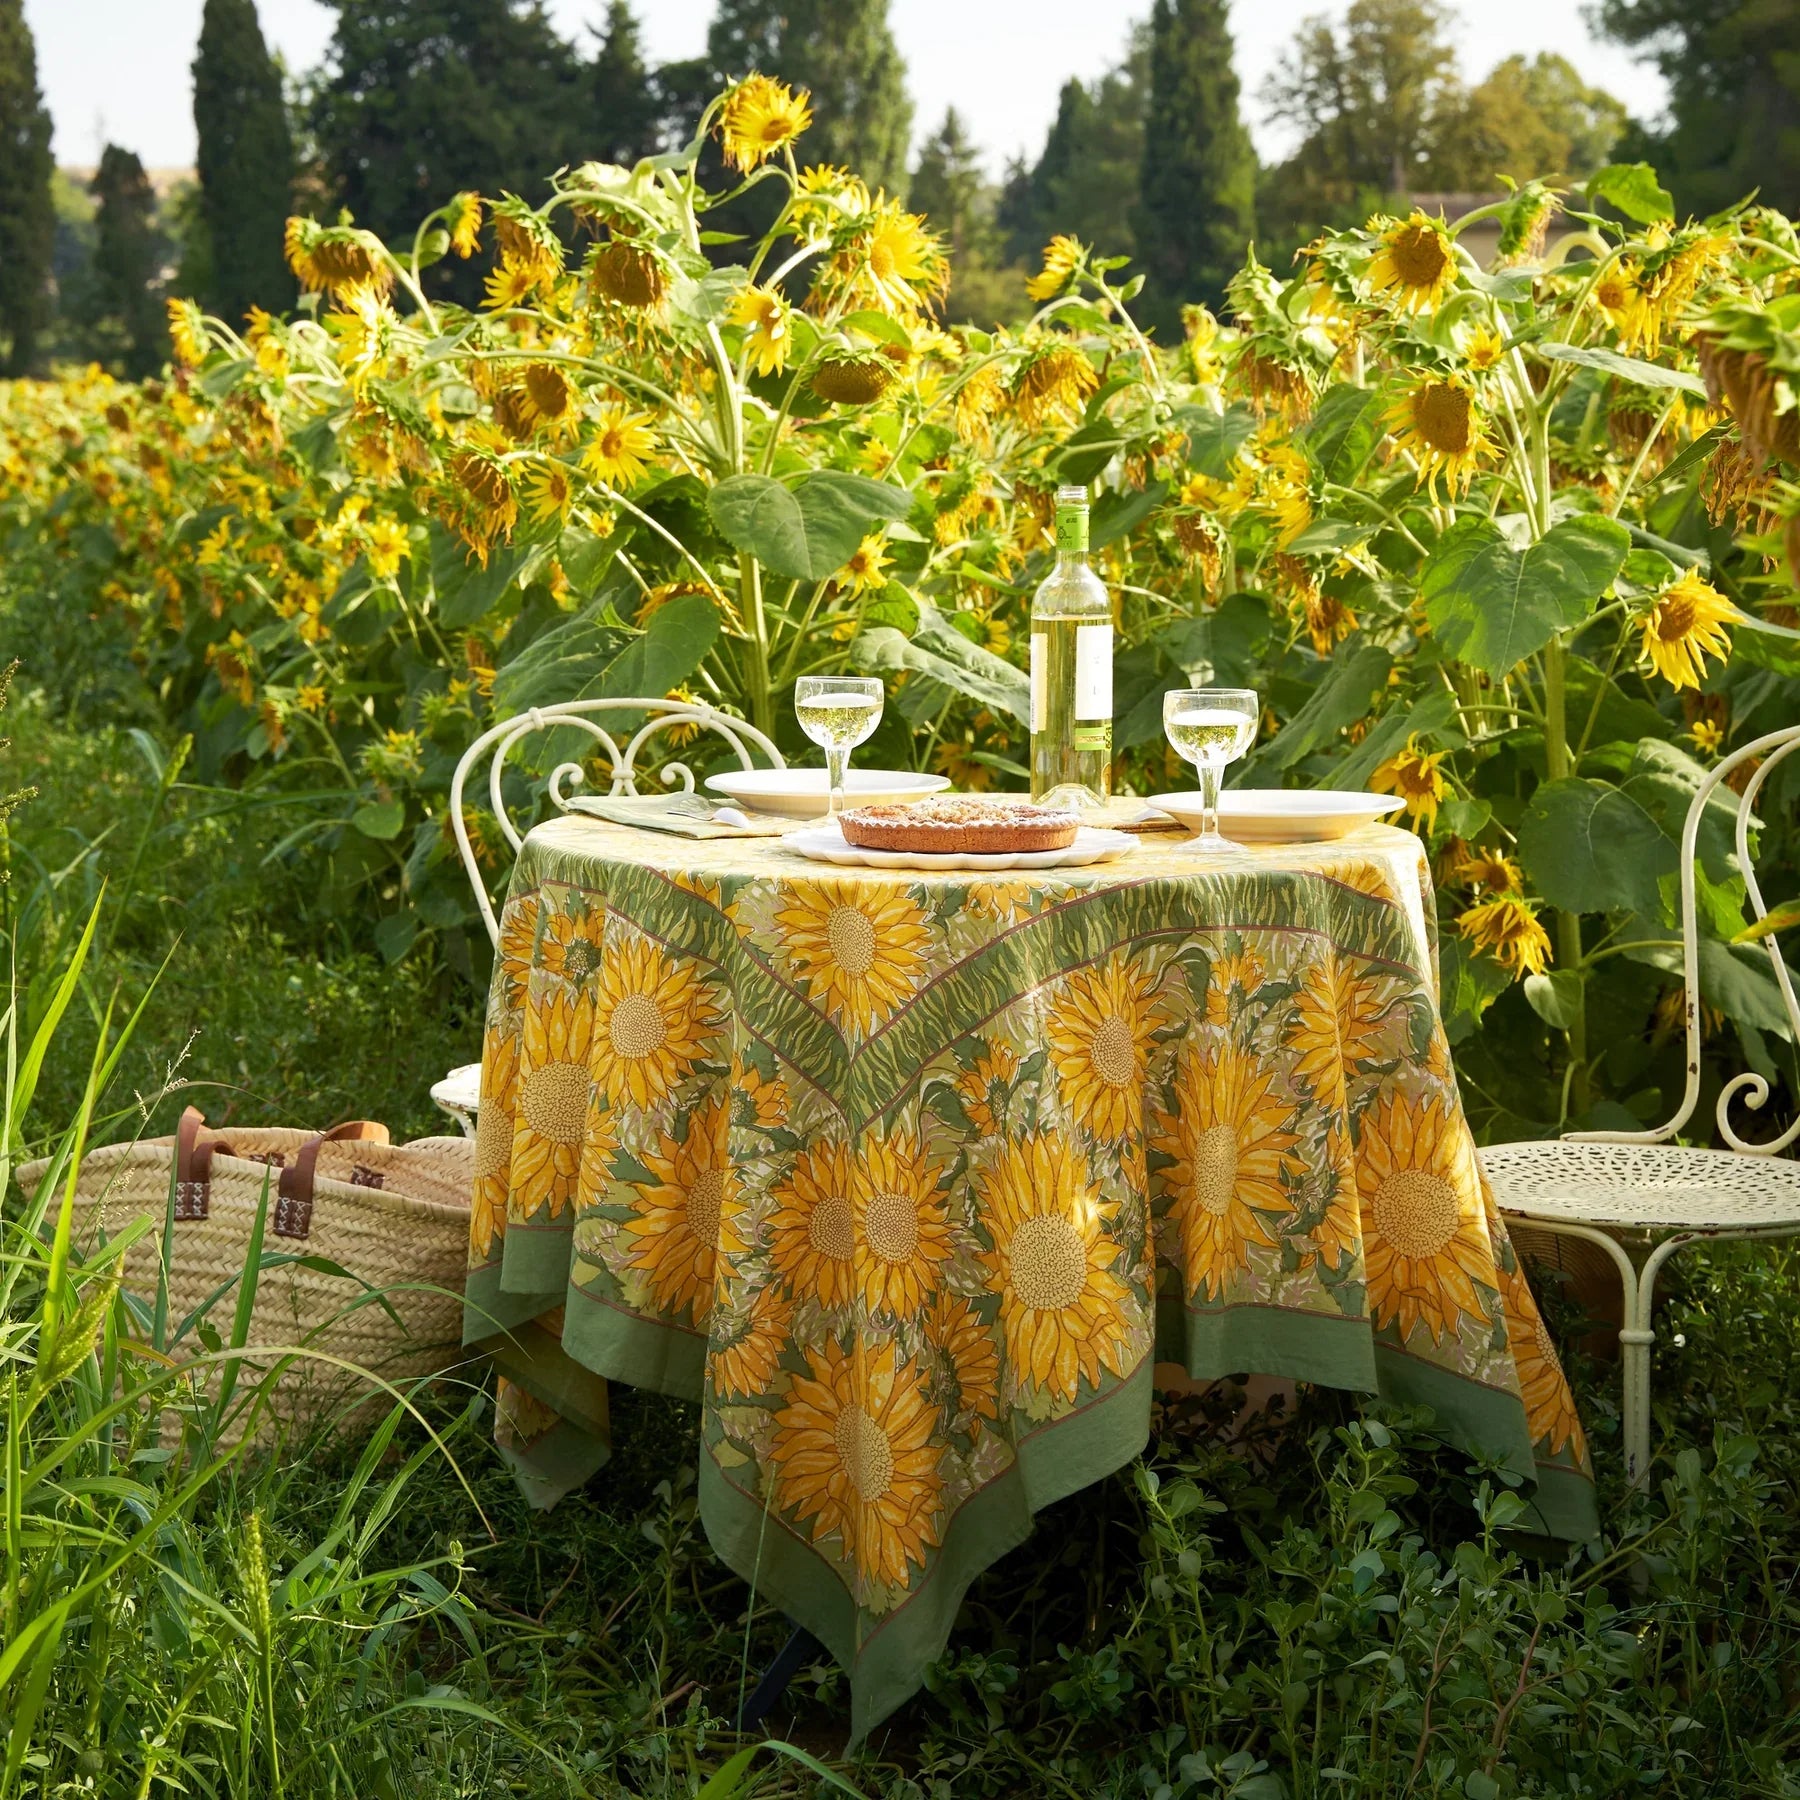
x: 837, y: 712
x: 1210, y: 727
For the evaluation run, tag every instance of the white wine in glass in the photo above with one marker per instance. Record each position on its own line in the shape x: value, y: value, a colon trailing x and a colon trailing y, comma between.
x: 837, y: 712
x: 1210, y: 727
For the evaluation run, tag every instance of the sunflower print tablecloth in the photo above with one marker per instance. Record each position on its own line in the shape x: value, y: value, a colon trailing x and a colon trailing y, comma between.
x: 909, y: 1178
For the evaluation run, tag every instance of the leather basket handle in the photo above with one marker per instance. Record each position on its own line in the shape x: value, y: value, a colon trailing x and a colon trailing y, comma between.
x: 193, y: 1167
x: 294, y: 1196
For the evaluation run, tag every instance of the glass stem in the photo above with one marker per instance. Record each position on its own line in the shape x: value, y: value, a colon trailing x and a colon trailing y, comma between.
x: 1209, y: 801
x: 836, y: 759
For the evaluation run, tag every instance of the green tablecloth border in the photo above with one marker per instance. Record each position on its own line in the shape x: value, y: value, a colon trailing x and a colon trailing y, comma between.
x: 1050, y: 1463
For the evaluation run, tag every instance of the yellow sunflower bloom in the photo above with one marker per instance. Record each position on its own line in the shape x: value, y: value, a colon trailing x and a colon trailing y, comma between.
x: 1550, y: 1414
x: 674, y: 1233
x: 854, y: 1456
x: 187, y: 332
x: 1708, y: 736
x: 978, y: 398
x: 1490, y: 869
x: 385, y: 543
x: 1231, y: 1141
x: 758, y: 1104
x: 1483, y: 349
x: 462, y: 217
x: 1507, y: 928
x: 1063, y: 1312
x: 859, y: 950
x: 622, y: 448
x: 1337, y: 1023
x: 510, y: 284
x: 653, y: 1017
x: 1413, y: 774
x: 1437, y: 421
x: 1061, y: 255
x: 759, y: 116
x: 1424, y: 1241
x: 555, y: 1075
x: 1683, y: 628
x: 1415, y: 264
x: 549, y: 491
x: 867, y: 568
x: 1055, y: 381
x: 971, y: 1358
x: 1100, y: 1038
x: 768, y: 332
x: 891, y: 262
x: 813, y: 1227
x: 746, y: 1353
x: 548, y: 398
x: 493, y: 1142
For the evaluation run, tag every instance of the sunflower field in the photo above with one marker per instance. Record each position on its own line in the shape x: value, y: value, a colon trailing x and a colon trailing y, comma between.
x: 1507, y: 542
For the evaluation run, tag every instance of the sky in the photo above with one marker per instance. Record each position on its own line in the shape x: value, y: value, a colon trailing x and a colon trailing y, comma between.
x: 118, y: 70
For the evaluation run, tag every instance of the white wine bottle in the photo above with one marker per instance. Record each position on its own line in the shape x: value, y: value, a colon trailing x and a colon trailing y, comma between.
x: 1071, y: 670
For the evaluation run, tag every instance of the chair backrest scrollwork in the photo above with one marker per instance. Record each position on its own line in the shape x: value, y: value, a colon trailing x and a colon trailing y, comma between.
x: 497, y: 741
x: 1771, y: 749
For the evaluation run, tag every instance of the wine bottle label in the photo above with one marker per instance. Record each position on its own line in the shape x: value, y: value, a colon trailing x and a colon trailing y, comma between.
x: 1037, y: 681
x: 1093, y: 671
x: 1072, y: 530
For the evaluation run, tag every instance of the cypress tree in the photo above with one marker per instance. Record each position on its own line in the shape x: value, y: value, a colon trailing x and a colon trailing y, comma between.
x: 128, y: 252
x: 627, y: 106
x: 1197, y: 195
x: 844, y: 53
x: 27, y: 212
x: 245, y: 162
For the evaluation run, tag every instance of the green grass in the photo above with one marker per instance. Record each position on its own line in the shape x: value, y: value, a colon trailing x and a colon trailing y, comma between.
x: 1338, y: 1612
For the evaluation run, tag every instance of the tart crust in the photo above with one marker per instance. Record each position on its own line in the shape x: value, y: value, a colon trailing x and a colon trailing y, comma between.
x: 951, y: 823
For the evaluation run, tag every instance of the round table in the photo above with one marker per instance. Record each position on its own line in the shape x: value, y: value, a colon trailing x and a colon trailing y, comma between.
x: 909, y: 1178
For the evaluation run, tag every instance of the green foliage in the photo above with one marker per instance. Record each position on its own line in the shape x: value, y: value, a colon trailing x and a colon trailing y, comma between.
x: 27, y: 214
x: 1197, y: 195
x: 482, y: 93
x: 1734, y: 94
x: 843, y: 53
x: 125, y: 320
x: 627, y: 110
x: 245, y: 162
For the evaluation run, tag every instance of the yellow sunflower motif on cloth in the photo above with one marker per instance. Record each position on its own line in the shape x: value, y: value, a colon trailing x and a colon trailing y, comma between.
x: 678, y: 1219
x: 859, y: 951
x: 853, y: 1458
x: 902, y: 1237
x: 570, y: 946
x: 653, y: 1017
x: 1337, y: 1020
x: 1239, y: 971
x: 970, y: 1358
x: 1424, y: 1241
x: 493, y: 1142
x: 758, y: 1103
x: 1099, y: 1030
x: 548, y: 1130
x: 813, y: 1227
x: 984, y: 1086
x: 1231, y: 1137
x: 1550, y: 1414
x: 518, y: 945
x: 520, y: 1418
x: 743, y: 1363
x: 1063, y: 1312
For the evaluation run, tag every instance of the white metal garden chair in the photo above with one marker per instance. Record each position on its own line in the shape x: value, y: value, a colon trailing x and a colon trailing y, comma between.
x: 1604, y: 1185
x: 459, y: 1093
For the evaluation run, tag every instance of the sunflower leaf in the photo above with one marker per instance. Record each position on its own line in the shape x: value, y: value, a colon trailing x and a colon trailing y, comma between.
x: 1492, y: 606
x: 1626, y: 368
x: 810, y: 531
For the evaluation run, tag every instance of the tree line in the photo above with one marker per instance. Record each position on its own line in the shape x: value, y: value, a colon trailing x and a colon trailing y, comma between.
x: 419, y: 98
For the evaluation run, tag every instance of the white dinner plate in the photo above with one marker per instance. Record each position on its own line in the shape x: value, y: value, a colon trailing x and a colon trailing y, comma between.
x: 804, y: 793
x: 1283, y: 815
x: 825, y: 843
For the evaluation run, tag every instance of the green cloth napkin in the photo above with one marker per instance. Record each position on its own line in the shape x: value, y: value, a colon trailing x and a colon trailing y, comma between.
x: 686, y: 815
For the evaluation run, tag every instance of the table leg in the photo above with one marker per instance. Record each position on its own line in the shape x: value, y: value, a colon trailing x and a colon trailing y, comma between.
x: 799, y: 1648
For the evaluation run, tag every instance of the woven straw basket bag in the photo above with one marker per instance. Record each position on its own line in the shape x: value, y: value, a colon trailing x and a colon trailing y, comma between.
x: 394, y: 1216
